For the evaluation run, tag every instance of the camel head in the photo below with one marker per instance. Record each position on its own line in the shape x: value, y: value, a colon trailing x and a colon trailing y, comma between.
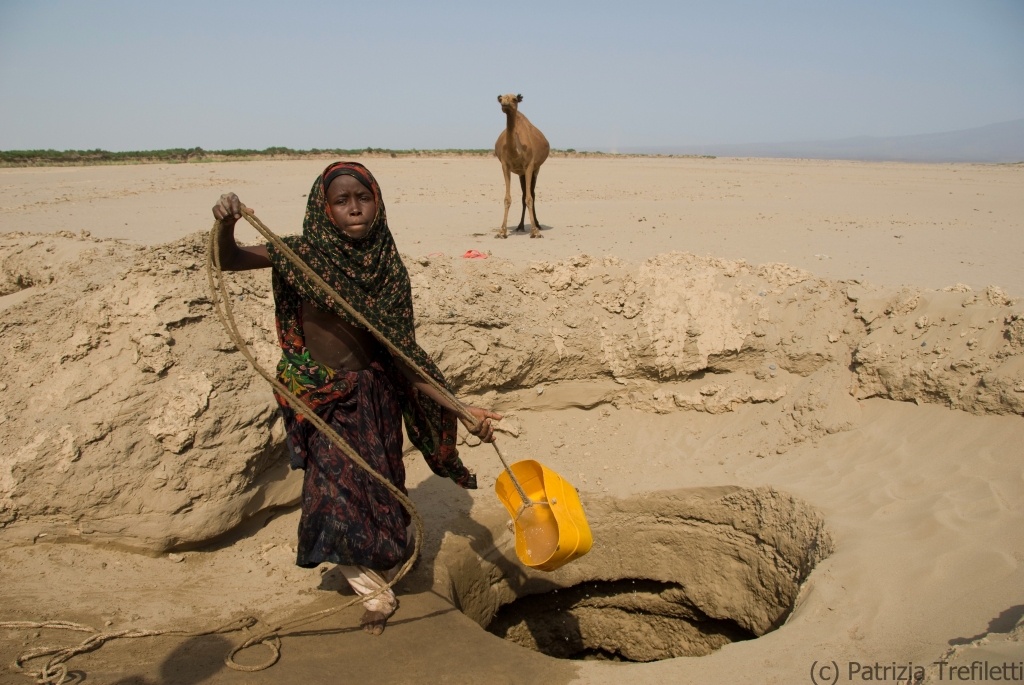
x: 509, y: 103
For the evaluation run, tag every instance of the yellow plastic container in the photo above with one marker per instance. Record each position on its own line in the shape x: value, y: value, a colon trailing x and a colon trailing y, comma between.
x: 554, y: 531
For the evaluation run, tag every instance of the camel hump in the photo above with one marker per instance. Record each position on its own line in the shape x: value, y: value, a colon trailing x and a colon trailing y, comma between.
x: 523, y: 121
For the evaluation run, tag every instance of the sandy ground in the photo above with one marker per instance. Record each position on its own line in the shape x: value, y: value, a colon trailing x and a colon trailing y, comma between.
x: 925, y: 503
x: 929, y: 225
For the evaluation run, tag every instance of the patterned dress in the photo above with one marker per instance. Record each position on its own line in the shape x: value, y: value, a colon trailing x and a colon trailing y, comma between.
x: 347, y: 517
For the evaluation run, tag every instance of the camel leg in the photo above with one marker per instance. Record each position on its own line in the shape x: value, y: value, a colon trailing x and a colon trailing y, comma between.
x: 503, y: 233
x: 533, y: 194
x: 535, y: 229
x: 522, y: 217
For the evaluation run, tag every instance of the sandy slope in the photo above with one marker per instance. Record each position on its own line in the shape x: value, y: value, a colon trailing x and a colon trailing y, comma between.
x: 657, y: 378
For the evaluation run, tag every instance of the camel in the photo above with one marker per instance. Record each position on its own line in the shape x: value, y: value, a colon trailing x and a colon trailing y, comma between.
x: 521, y: 149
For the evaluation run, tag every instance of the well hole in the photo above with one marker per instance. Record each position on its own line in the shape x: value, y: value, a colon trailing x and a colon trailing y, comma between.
x: 672, y: 573
x: 632, y: 619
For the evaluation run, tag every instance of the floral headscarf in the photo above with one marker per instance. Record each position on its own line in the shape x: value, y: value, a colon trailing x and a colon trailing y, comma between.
x: 368, y: 272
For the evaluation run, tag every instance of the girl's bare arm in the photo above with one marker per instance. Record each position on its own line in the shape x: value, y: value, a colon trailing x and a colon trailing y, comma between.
x: 485, y: 430
x: 234, y: 257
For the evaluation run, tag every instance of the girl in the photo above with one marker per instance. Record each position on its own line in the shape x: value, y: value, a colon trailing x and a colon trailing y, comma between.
x: 353, y: 383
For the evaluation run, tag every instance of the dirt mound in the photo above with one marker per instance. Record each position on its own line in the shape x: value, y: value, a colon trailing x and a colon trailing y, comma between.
x: 126, y: 416
x: 952, y: 347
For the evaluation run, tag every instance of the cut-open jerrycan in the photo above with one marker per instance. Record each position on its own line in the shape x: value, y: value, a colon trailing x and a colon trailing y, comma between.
x: 553, y: 530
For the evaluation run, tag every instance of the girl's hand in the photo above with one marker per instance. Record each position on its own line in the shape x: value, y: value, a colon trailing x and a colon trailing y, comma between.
x: 228, y: 210
x: 485, y: 429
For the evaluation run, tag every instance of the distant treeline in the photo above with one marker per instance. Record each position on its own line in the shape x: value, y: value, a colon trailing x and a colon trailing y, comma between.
x: 9, y: 158
x: 25, y: 158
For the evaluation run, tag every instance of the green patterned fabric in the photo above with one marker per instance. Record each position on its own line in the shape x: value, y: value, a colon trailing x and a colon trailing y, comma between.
x: 368, y: 272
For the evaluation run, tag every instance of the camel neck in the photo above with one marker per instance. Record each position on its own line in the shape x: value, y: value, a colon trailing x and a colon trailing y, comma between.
x: 510, y: 121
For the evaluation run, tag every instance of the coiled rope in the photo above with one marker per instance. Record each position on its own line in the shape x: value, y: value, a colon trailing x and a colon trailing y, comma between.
x: 55, y: 671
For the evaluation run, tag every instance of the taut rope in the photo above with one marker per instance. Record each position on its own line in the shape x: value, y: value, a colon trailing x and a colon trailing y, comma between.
x: 460, y: 408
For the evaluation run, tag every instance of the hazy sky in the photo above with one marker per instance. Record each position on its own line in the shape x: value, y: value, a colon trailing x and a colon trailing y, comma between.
x: 146, y: 75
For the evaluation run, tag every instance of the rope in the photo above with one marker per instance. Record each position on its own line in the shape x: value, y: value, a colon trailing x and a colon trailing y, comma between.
x: 55, y: 671
x: 459, y: 407
x: 271, y: 638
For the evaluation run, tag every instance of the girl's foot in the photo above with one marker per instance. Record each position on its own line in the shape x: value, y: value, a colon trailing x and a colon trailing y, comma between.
x: 373, y: 622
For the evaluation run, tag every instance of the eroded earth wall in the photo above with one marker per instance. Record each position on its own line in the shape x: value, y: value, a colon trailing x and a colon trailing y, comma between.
x: 126, y: 415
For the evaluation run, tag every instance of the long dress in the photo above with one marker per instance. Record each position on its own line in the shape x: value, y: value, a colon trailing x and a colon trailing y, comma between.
x: 348, y: 517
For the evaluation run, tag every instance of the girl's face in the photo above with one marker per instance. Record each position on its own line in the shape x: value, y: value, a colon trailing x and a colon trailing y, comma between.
x: 351, y: 205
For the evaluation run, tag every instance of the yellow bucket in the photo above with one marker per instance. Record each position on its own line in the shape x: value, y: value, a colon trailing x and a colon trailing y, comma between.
x: 553, y: 531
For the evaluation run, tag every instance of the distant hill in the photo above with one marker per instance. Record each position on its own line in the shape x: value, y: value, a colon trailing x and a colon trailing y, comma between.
x: 995, y: 143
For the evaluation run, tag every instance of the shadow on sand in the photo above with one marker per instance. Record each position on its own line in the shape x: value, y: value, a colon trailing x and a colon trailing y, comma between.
x: 437, y: 496
x: 1003, y: 623
x: 444, y: 507
x: 525, y: 233
x: 193, y: 661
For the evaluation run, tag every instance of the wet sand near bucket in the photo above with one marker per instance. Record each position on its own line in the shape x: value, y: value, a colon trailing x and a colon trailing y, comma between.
x: 922, y: 503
